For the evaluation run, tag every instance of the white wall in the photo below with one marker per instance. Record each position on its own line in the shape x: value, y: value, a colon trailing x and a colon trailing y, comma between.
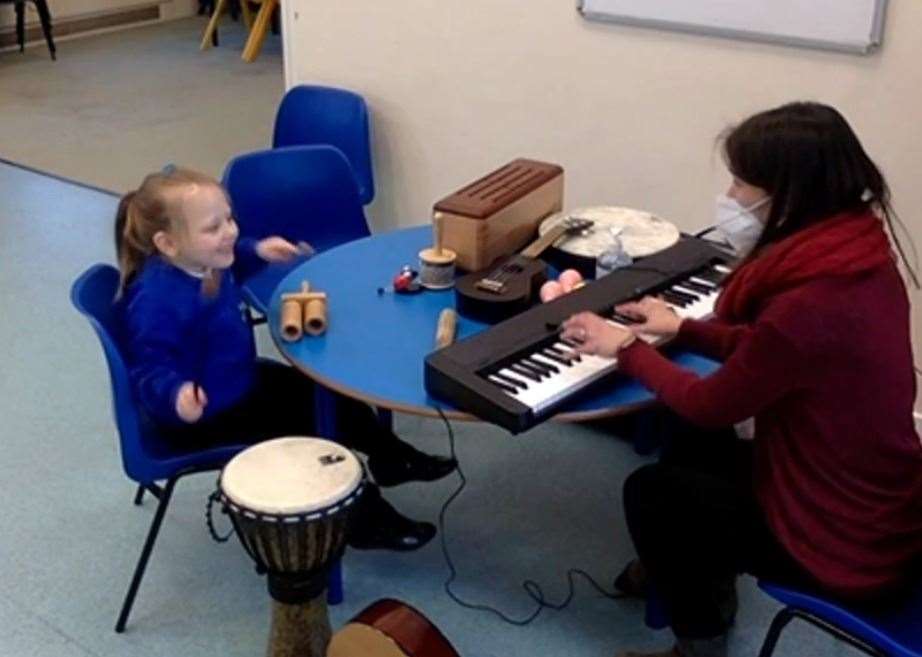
x: 458, y: 87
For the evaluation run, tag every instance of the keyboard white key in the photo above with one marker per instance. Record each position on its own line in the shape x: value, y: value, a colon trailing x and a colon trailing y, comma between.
x: 580, y: 373
x: 703, y: 281
x: 702, y: 307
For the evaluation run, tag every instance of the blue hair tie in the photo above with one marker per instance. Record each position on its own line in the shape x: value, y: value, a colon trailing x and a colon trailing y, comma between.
x: 168, y: 169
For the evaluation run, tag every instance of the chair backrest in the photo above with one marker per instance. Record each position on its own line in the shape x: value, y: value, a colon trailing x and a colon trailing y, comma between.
x: 310, y: 114
x: 93, y: 294
x: 299, y: 192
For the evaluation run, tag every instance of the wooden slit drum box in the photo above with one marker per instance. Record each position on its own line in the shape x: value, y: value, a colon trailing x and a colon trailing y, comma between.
x: 499, y: 214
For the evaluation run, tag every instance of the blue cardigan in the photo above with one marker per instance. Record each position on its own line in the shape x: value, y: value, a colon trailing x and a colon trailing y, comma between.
x: 175, y: 334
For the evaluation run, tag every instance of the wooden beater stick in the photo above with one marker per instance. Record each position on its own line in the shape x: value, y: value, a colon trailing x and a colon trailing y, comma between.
x: 446, y: 328
x: 437, y: 230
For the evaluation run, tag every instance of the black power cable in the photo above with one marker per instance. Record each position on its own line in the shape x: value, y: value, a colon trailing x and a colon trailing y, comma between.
x: 532, y: 588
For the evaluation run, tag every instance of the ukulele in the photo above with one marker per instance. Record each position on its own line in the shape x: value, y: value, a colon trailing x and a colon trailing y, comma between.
x: 511, y: 285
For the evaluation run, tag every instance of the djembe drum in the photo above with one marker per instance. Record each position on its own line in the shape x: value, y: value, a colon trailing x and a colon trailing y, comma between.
x: 289, y: 500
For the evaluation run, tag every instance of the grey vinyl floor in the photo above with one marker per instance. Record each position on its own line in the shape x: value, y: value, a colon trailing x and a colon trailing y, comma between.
x: 534, y: 506
x: 116, y: 106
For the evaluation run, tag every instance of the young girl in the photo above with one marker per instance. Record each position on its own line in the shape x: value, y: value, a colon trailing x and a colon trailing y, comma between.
x: 813, y: 331
x: 192, y: 356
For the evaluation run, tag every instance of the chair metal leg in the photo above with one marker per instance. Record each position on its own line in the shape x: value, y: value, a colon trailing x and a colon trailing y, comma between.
x: 335, y: 584
x: 145, y: 554
x: 21, y: 25
x: 386, y: 418
x: 253, y: 318
x: 781, y: 619
x: 45, y: 17
x: 788, y: 613
x: 139, y: 496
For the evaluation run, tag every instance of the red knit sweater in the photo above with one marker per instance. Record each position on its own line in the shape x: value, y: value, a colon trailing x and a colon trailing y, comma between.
x: 826, y: 369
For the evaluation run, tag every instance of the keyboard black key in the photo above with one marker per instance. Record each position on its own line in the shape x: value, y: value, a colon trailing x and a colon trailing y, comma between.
x: 556, y: 356
x: 710, y: 274
x: 547, y: 367
x: 697, y: 287
x: 537, y: 368
x: 510, y: 380
x: 518, y: 368
x: 573, y: 355
x: 674, y: 299
x: 690, y: 298
x: 500, y: 383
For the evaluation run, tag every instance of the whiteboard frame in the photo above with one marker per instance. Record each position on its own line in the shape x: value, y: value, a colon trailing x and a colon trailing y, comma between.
x: 875, y: 37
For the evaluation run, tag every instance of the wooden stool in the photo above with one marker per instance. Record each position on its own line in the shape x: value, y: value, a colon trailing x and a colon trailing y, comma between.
x: 210, y: 35
x: 258, y: 31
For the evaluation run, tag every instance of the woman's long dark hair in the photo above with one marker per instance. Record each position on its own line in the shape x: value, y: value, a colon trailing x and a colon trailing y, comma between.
x: 809, y: 160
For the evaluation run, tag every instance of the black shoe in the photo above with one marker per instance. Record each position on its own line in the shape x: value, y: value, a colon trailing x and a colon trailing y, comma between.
x: 633, y: 580
x: 402, y: 463
x: 379, y: 526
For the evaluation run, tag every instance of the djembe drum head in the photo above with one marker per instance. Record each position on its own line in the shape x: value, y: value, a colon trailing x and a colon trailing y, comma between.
x: 289, y: 500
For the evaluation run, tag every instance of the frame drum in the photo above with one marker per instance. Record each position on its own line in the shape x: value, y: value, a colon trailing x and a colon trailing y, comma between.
x: 390, y: 628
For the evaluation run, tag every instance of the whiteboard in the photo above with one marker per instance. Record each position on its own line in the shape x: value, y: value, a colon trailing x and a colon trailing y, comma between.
x: 846, y: 25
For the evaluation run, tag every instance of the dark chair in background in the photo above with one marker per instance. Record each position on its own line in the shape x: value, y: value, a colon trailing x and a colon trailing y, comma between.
x: 310, y: 114
x: 146, y: 458
x: 44, y: 15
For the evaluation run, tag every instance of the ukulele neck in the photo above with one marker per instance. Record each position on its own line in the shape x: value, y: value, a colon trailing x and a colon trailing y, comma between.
x: 534, y: 249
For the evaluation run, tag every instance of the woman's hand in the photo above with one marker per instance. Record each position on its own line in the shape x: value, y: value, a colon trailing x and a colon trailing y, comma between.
x: 190, y: 402
x: 276, y: 249
x: 596, y: 336
x: 654, y: 317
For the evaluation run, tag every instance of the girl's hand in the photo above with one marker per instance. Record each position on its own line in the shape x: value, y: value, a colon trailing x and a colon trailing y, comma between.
x: 276, y: 249
x: 595, y: 335
x: 655, y: 317
x: 190, y: 402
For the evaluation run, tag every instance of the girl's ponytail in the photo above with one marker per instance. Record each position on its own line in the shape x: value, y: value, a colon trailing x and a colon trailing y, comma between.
x: 129, y: 253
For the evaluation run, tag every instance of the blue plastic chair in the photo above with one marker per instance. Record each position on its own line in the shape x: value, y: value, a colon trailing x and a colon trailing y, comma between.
x: 889, y: 631
x: 146, y: 458
x: 310, y: 114
x: 302, y: 193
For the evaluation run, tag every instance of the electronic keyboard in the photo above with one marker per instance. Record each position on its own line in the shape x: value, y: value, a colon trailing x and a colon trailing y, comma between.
x: 519, y: 372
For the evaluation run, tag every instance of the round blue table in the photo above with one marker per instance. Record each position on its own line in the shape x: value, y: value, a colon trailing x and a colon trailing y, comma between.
x: 374, y: 346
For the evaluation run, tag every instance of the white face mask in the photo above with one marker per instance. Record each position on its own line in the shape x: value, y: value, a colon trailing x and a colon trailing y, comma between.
x: 738, y: 224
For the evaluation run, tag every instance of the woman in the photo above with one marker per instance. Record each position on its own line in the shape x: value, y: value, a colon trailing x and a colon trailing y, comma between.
x: 813, y: 331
